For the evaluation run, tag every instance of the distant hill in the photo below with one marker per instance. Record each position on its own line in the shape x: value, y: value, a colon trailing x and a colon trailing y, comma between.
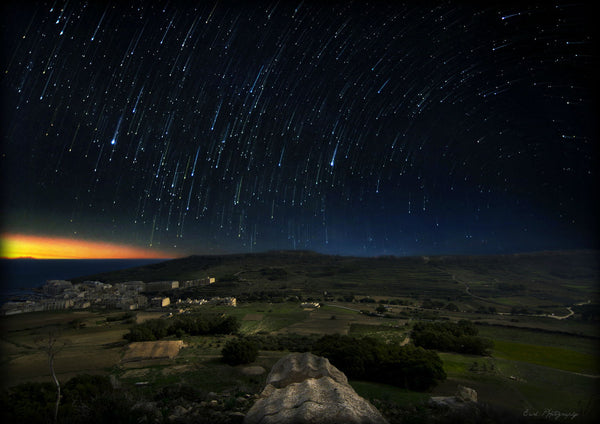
x: 545, y: 278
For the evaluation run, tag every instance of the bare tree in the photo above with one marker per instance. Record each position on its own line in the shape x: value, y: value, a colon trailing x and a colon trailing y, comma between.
x: 51, y: 344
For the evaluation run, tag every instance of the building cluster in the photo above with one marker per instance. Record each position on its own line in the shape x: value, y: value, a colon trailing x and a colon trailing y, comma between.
x: 130, y: 295
x: 226, y: 301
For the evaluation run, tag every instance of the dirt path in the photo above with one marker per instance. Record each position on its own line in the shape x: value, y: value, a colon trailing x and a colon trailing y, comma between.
x: 562, y: 317
x: 468, y: 291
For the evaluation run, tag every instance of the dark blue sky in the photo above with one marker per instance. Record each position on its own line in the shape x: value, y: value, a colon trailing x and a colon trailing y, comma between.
x: 341, y: 127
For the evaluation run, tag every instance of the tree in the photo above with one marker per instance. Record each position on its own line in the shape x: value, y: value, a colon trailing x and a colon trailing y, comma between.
x: 52, y: 345
x: 239, y: 351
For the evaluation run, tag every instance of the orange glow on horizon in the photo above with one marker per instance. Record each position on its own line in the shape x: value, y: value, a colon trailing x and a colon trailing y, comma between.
x: 46, y: 247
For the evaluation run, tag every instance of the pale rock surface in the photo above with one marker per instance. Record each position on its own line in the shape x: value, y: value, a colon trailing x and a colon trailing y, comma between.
x: 253, y: 370
x: 297, y: 367
x: 303, y: 388
x: 464, y: 397
x: 466, y: 394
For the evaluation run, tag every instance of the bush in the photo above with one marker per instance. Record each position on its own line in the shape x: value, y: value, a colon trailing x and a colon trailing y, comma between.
x: 239, y: 351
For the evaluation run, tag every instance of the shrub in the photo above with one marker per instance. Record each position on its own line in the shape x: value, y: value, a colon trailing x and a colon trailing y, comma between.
x: 239, y: 351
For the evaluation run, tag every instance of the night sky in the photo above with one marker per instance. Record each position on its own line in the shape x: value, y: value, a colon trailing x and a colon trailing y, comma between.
x: 362, y: 128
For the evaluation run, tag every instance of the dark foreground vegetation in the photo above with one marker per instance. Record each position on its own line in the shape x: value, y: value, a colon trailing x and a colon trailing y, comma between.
x: 92, y: 399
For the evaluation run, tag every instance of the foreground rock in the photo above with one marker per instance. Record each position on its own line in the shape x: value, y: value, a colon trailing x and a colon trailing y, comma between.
x: 303, y: 388
x: 466, y: 394
x: 464, y: 397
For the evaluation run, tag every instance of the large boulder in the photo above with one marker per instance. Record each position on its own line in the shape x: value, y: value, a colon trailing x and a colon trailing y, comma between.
x: 303, y: 388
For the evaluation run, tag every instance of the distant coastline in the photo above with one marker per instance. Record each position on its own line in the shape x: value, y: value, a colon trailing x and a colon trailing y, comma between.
x: 20, y: 276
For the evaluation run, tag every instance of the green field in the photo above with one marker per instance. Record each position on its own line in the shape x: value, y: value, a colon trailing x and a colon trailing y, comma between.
x: 547, y: 356
x: 519, y: 385
x: 387, y: 333
x: 387, y: 393
x: 574, y: 342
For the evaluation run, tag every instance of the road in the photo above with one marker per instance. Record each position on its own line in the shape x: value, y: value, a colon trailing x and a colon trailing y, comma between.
x: 571, y: 313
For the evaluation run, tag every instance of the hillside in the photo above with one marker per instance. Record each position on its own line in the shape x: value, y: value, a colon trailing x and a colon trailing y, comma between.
x: 533, y: 280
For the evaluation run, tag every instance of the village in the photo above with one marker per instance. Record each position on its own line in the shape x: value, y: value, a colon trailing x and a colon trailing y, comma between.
x: 128, y: 296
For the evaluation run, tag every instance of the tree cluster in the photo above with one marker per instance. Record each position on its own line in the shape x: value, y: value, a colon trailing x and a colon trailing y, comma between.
x: 369, y: 359
x: 203, y: 324
x: 195, y: 324
x: 458, y: 337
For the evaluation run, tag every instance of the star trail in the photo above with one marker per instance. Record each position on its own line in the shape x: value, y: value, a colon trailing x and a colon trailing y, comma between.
x: 363, y: 128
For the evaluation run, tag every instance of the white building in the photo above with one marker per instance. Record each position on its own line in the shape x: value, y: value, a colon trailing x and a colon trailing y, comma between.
x: 162, y: 285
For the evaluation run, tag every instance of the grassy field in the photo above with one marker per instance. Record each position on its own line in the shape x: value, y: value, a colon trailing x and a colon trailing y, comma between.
x: 393, y: 333
x: 586, y: 345
x: 385, y: 392
x: 518, y: 385
x: 94, y: 348
x: 547, y: 356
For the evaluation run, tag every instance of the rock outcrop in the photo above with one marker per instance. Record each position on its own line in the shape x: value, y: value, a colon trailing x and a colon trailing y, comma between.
x: 303, y: 388
x: 466, y: 394
x: 464, y: 397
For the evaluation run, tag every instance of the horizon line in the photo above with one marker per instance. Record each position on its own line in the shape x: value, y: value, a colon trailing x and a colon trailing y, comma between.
x: 86, y: 259
x: 52, y: 247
